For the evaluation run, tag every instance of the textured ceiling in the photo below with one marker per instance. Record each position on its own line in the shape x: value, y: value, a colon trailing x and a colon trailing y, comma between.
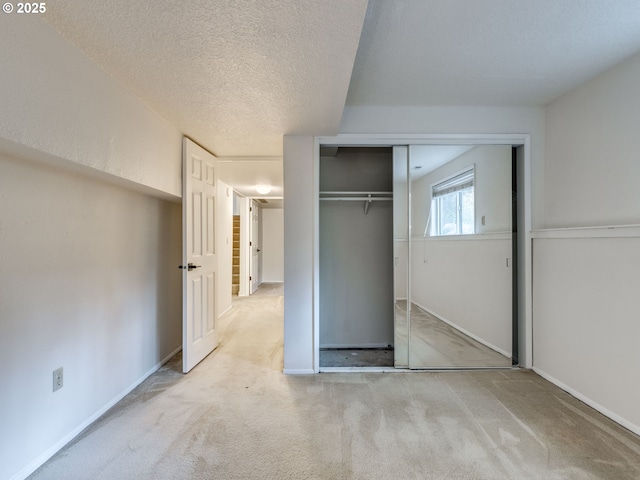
x: 243, y: 174
x: 234, y: 75
x: 488, y: 52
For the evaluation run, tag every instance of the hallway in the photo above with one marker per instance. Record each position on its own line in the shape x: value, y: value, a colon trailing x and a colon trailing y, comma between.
x: 236, y: 416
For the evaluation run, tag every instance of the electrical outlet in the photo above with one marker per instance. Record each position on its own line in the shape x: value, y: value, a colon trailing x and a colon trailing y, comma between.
x: 58, y: 378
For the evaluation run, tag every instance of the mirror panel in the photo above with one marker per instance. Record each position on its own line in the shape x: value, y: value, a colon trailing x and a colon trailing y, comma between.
x: 460, y: 248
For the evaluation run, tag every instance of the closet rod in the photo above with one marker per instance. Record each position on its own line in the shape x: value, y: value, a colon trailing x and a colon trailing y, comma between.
x: 359, y: 199
x: 356, y: 193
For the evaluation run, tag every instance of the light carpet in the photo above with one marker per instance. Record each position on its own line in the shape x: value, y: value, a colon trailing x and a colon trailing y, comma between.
x: 236, y: 416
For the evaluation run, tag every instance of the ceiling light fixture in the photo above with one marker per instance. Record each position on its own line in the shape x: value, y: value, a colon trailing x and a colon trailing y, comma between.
x: 263, y: 189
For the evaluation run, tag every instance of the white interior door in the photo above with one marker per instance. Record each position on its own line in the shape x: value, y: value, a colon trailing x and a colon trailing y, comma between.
x: 199, y: 263
x: 254, y: 274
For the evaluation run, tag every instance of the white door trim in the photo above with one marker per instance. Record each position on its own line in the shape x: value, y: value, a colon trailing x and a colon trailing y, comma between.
x: 254, y: 246
x: 524, y: 258
x: 245, y: 251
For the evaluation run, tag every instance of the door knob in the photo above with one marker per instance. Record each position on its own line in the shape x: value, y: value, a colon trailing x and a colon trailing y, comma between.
x: 190, y: 266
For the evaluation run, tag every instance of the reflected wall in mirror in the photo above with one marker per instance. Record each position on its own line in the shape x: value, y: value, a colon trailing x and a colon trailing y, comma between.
x: 460, y: 248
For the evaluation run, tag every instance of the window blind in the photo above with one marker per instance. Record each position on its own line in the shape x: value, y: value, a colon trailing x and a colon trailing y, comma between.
x: 454, y: 184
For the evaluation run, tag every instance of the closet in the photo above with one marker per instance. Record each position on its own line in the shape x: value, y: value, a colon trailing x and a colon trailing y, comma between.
x: 356, y: 257
x: 416, y: 255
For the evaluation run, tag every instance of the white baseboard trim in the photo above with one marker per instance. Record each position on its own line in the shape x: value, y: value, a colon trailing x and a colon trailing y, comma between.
x: 298, y: 371
x: 162, y: 362
x: 226, y: 311
x: 355, y: 345
x: 466, y: 332
x: 56, y: 447
x: 593, y: 404
x: 364, y: 370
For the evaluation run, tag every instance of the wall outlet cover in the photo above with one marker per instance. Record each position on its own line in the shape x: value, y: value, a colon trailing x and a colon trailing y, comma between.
x: 58, y: 379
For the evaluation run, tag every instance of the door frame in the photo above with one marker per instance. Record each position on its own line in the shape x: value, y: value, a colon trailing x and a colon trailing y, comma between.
x: 244, y: 206
x: 254, y: 236
x: 524, y: 262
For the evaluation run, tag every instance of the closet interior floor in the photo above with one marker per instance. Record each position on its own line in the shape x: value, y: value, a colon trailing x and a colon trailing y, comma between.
x: 357, y: 357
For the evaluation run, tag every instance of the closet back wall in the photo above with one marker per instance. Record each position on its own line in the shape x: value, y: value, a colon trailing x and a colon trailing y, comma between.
x: 356, y: 251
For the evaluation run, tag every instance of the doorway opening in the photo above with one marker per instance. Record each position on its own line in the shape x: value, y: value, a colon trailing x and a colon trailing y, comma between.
x: 356, y: 257
x: 258, y: 241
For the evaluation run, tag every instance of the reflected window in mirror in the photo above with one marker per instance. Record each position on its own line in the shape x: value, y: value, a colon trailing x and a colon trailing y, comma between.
x: 453, y: 205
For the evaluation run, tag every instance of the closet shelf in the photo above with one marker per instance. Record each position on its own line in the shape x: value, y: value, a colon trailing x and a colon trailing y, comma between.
x: 366, y: 197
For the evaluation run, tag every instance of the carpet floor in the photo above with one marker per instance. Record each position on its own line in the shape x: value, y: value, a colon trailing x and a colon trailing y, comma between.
x: 236, y: 416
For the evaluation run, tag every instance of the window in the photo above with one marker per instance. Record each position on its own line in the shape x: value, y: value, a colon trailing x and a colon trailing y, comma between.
x: 452, y: 205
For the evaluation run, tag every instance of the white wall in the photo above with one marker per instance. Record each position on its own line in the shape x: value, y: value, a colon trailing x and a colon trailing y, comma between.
x: 300, y: 183
x: 57, y: 102
x: 89, y: 282
x: 592, y: 167
x: 585, y: 287
x: 224, y: 240
x: 272, y: 225
x: 586, y: 321
x: 466, y: 282
x: 89, y: 269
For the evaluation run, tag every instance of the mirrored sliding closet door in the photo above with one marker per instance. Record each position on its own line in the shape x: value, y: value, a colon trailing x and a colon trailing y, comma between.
x: 459, y: 265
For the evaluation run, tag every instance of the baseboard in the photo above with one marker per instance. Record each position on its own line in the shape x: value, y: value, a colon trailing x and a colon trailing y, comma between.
x: 354, y: 345
x: 163, y: 361
x: 364, y: 370
x: 593, y: 404
x: 56, y: 447
x: 225, y: 312
x: 466, y: 332
x: 298, y: 371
